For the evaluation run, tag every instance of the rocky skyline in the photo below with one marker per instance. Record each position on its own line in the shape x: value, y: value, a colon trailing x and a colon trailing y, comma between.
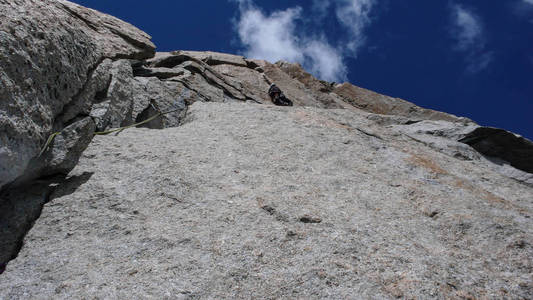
x: 469, y: 58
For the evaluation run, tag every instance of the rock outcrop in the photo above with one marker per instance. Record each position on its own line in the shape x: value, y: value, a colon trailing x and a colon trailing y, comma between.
x: 348, y: 194
x: 49, y: 52
x: 503, y: 151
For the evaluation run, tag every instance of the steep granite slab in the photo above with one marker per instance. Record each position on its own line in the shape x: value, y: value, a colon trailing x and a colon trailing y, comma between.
x: 258, y: 201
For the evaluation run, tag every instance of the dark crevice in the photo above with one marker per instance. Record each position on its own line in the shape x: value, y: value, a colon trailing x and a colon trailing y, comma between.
x: 194, y: 69
x: 273, y: 212
x: 215, y: 84
x: 251, y: 99
x: 142, y: 71
x: 21, y: 206
x: 59, y: 122
x: 215, y: 62
x: 269, y: 209
x: 310, y: 219
x: 172, y: 61
x: 32, y: 212
x: 147, y: 113
x: 101, y: 96
x: 194, y: 90
x: 223, y: 80
x: 148, y: 51
x: 78, y: 16
x: 185, y: 113
x: 229, y: 95
x: 411, y: 122
x: 77, y: 118
x: 251, y: 65
x: 369, y: 134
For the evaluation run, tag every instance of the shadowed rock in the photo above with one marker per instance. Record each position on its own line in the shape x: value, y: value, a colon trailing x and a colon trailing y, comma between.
x: 20, y: 207
x: 502, y: 144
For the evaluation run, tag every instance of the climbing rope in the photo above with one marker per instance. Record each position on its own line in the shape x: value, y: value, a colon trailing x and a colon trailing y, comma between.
x: 53, y: 135
x: 50, y: 139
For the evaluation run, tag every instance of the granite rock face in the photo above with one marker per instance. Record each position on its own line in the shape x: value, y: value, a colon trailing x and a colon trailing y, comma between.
x: 381, y: 104
x: 258, y: 201
x: 504, y: 151
x: 49, y: 50
x: 348, y: 194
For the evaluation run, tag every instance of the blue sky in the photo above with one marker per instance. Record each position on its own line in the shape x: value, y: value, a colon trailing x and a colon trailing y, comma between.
x: 471, y: 58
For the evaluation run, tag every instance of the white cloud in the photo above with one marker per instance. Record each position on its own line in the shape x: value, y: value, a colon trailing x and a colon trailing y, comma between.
x: 469, y: 35
x: 270, y: 37
x: 354, y: 15
x: 469, y: 32
x: 468, y: 29
x: 326, y: 61
x: 280, y: 35
x: 528, y: 1
x: 275, y: 37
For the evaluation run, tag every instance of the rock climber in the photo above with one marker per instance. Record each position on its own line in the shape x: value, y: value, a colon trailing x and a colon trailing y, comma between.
x: 278, y: 97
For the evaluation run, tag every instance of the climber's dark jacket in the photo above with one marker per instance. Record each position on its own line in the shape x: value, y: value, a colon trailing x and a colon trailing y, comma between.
x: 278, y: 97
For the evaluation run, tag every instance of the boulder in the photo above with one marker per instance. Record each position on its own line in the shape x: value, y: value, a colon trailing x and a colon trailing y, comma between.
x: 253, y: 83
x: 503, y: 147
x: 49, y: 51
x: 116, y: 105
x: 152, y: 96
